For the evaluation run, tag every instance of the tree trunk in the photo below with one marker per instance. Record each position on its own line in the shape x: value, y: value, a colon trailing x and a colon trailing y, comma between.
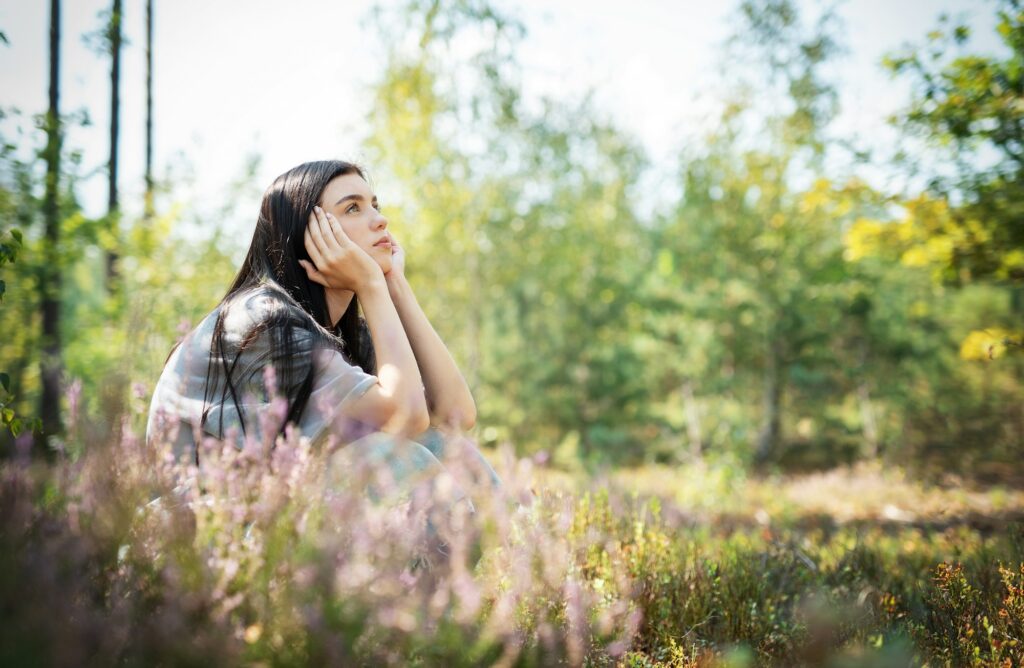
x: 1017, y: 308
x: 149, y: 109
x: 693, y: 426
x: 771, y: 428
x: 50, y: 274
x: 867, y: 417
x: 586, y: 413
x: 475, y: 306
x: 867, y: 409
x: 115, y: 112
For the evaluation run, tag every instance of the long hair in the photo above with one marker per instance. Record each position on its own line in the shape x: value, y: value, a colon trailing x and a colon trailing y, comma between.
x: 272, y: 262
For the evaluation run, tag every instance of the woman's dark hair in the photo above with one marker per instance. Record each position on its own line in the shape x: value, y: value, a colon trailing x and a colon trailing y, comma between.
x: 272, y: 263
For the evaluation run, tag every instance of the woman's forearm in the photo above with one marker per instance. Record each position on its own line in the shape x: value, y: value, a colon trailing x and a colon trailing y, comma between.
x: 447, y: 394
x: 397, y: 371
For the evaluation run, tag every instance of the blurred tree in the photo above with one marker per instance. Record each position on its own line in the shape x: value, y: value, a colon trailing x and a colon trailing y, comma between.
x: 970, y: 107
x: 50, y: 271
x: 754, y: 256
x: 965, y: 231
x: 968, y: 226
x: 113, y: 206
x: 149, y: 110
x: 522, y: 236
x: 10, y: 246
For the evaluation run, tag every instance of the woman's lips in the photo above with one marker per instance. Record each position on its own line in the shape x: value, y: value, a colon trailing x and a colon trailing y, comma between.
x: 383, y: 244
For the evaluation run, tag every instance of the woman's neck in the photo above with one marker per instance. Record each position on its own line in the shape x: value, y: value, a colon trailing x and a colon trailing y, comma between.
x: 337, y: 303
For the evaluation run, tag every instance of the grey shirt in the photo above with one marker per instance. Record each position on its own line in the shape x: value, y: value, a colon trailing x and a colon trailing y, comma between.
x: 265, y: 379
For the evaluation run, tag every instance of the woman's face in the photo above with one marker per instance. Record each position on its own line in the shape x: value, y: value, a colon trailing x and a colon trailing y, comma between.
x: 349, y: 199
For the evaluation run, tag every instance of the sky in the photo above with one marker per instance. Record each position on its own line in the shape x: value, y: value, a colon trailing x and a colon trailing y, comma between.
x: 289, y: 80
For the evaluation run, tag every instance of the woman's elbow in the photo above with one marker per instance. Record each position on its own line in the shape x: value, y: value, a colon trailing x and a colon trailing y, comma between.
x: 462, y: 419
x: 409, y: 419
x: 403, y: 416
x: 467, y: 420
x: 419, y: 422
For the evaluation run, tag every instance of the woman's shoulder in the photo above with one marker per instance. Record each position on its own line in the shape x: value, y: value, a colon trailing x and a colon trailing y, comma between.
x: 263, y: 306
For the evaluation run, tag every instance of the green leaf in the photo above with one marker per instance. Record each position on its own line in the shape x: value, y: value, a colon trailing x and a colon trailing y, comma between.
x: 3, y: 289
x: 8, y: 415
x: 16, y: 233
x: 5, y: 380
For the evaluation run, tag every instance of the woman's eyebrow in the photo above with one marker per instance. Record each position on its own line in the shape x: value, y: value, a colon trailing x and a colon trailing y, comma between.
x: 353, y: 196
x: 347, y: 197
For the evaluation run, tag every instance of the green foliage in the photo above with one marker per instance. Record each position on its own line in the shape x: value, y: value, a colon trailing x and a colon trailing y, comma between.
x: 749, y: 317
x: 776, y: 310
x: 11, y: 245
x: 968, y: 107
x: 539, y: 213
x: 970, y: 626
x: 171, y: 275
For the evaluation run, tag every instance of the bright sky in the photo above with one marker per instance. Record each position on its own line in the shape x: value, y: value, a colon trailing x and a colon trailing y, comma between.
x: 288, y: 80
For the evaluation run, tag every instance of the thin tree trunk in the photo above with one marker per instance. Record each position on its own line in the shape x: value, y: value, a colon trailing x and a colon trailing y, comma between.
x: 149, y: 109
x: 115, y: 112
x: 867, y: 409
x: 867, y: 417
x: 693, y: 426
x: 1017, y: 308
x: 584, y: 412
x: 475, y: 307
x: 50, y: 274
x: 771, y: 429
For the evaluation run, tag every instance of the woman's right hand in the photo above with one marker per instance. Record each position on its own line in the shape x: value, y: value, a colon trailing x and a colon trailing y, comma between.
x: 339, y: 262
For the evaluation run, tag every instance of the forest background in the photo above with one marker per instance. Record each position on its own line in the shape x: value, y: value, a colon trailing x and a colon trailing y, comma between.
x: 783, y: 294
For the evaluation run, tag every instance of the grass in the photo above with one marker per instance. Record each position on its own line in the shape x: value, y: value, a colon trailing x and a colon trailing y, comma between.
x: 701, y: 565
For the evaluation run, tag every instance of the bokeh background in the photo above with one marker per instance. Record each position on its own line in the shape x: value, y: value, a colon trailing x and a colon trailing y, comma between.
x: 780, y: 232
x: 738, y: 288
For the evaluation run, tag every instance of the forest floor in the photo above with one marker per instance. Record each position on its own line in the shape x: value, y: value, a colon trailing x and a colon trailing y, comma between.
x: 910, y: 572
x: 868, y: 493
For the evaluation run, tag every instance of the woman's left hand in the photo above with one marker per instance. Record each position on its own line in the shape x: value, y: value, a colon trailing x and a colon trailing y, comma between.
x: 397, y: 259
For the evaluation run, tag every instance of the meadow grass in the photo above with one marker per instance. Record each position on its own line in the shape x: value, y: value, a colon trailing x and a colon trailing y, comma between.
x: 126, y: 556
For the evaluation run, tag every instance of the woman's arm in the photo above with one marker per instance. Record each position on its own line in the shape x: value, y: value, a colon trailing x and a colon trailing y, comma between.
x: 449, y: 400
x: 397, y: 402
x: 396, y: 364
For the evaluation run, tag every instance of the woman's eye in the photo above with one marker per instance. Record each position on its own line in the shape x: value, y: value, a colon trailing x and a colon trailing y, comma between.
x: 352, y: 209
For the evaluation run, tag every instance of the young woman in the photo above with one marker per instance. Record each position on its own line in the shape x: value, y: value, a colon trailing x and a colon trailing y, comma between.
x: 287, y: 346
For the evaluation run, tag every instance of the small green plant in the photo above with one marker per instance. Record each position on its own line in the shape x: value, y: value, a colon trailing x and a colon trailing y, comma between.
x: 10, y: 247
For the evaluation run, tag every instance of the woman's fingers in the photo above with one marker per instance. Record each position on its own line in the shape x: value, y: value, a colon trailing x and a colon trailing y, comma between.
x: 328, y: 228
x: 324, y: 228
x: 311, y: 247
x: 315, y: 231
x: 337, y: 231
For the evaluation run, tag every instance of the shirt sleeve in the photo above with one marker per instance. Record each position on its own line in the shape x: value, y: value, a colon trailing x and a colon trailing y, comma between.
x: 337, y: 384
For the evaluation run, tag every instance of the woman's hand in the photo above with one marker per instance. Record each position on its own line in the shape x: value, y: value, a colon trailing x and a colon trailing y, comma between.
x: 339, y: 263
x: 397, y: 259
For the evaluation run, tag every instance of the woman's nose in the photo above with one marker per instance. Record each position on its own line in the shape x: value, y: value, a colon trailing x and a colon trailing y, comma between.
x: 380, y: 222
